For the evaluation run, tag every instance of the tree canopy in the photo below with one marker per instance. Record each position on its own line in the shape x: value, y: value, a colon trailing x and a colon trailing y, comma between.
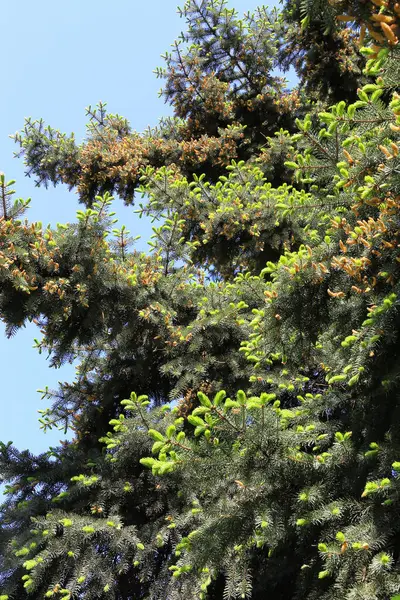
x: 234, y: 419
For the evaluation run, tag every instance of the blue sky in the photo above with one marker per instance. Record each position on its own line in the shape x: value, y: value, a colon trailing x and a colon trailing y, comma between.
x: 61, y: 57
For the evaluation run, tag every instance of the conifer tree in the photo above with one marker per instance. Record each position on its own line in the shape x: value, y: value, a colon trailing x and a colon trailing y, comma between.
x: 235, y: 410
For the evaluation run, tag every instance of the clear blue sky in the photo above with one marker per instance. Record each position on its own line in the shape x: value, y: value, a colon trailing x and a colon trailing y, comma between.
x: 59, y: 57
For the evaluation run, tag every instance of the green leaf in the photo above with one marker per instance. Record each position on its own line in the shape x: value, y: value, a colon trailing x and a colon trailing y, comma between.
x: 200, y: 410
x: 204, y: 400
x: 323, y: 574
x: 326, y: 117
x: 219, y: 397
x: 199, y: 430
x: 301, y: 522
x: 157, y: 447
x: 170, y: 431
x: 196, y: 421
x: 231, y: 404
x: 241, y: 397
x: 148, y: 462
x: 156, y: 435
x: 88, y: 529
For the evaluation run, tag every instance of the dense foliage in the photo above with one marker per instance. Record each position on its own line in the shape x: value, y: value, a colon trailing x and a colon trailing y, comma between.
x: 235, y: 413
